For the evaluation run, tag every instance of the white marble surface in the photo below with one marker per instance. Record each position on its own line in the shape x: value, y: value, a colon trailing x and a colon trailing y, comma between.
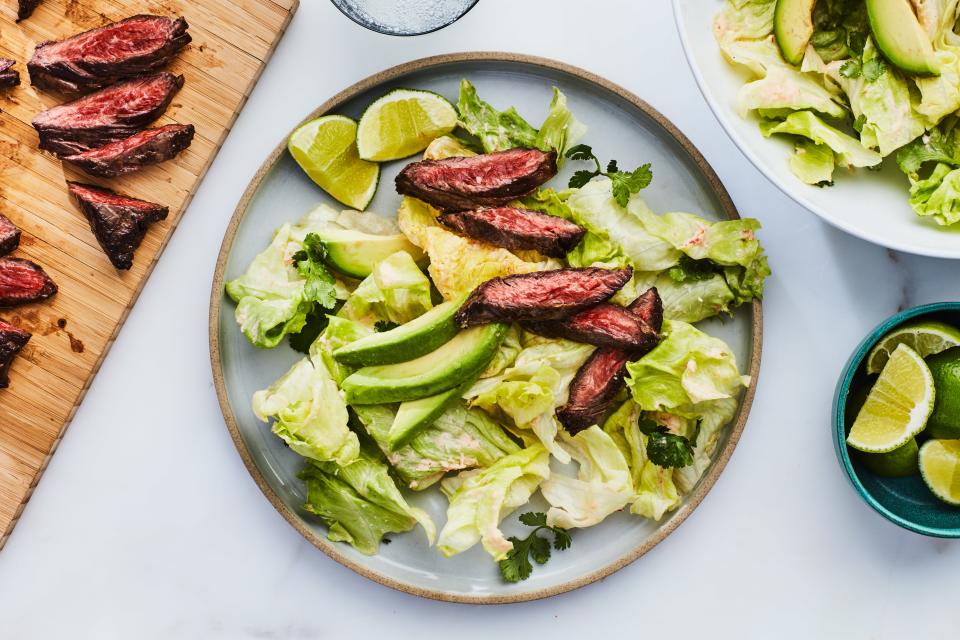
x: 147, y: 525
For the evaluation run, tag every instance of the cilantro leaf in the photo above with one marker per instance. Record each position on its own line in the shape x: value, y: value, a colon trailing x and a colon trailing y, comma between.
x: 309, y: 261
x: 851, y: 68
x: 648, y: 426
x: 580, y: 178
x: 316, y: 322
x: 581, y: 152
x: 873, y: 69
x: 517, y: 566
x: 625, y: 183
x: 612, y: 167
x: 669, y: 450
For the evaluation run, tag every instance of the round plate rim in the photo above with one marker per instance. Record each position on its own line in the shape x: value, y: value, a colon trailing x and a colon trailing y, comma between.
x: 791, y: 192
x: 357, y: 20
x: 329, y: 548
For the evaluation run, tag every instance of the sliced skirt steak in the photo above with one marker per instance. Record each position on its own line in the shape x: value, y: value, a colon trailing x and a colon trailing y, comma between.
x: 9, y: 236
x: 109, y: 115
x: 23, y: 282
x: 140, y: 150
x: 605, y: 325
x: 8, y: 77
x: 517, y: 229
x: 487, y: 180
x: 12, y: 340
x: 100, y: 57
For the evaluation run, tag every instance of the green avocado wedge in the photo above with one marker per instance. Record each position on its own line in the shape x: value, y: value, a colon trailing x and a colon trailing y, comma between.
x: 406, y: 342
x: 465, y: 355
x: 901, y: 38
x: 414, y: 416
x: 793, y: 28
x: 355, y: 253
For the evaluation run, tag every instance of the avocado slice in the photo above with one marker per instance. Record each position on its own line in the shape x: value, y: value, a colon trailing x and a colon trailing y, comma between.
x: 466, y: 355
x: 415, y: 415
x: 355, y: 253
x: 900, y: 37
x: 793, y: 28
x: 406, y: 342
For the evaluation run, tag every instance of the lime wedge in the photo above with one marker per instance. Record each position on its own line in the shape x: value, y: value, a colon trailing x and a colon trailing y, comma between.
x: 897, y: 406
x: 945, y: 420
x: 898, y: 463
x: 326, y: 149
x: 926, y: 338
x: 403, y: 123
x: 940, y: 468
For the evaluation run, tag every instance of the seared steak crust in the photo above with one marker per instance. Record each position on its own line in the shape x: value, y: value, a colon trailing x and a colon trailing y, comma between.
x: 9, y: 235
x: 542, y: 295
x: 100, y: 57
x: 140, y: 150
x: 106, y: 116
x: 601, y: 377
x: 605, y: 325
x: 517, y: 229
x: 8, y: 78
x: 118, y: 222
x: 23, y: 282
x: 25, y: 8
x: 12, y: 340
x: 487, y: 180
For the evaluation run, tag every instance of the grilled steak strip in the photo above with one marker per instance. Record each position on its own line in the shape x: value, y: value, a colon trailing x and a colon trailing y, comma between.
x: 542, y: 295
x: 487, y: 180
x: 8, y: 78
x: 517, y: 229
x: 25, y: 8
x: 9, y: 236
x: 100, y: 57
x: 23, y: 282
x: 601, y: 377
x: 140, y: 150
x: 118, y: 222
x: 12, y: 340
x: 106, y: 116
x: 605, y: 325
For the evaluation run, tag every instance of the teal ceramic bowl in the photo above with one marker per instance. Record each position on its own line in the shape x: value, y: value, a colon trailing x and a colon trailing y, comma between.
x: 904, y: 501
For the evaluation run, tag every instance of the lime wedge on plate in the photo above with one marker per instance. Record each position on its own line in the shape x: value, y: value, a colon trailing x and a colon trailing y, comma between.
x: 326, y: 149
x: 897, y: 406
x: 898, y: 463
x: 403, y: 123
x: 926, y: 338
x: 940, y: 468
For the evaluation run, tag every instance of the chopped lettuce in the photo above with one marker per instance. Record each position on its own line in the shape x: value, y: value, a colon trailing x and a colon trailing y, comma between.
x: 694, y: 300
x: 657, y: 493
x: 687, y: 369
x: 502, y: 130
x: 447, y: 147
x: 603, y: 483
x: 360, y: 502
x: 529, y: 392
x: 397, y: 291
x: 711, y: 420
x: 481, y: 499
x: 338, y: 333
x: 850, y: 153
x: 940, y: 145
x: 940, y: 94
x: 811, y: 162
x: 309, y: 414
x: 938, y: 195
x: 459, y: 439
x: 743, y: 20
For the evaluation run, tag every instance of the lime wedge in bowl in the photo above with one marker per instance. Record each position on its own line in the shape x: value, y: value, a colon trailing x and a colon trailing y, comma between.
x: 403, y: 123
x: 940, y: 468
x: 898, y: 463
x: 326, y: 149
x: 898, y: 405
x: 926, y: 338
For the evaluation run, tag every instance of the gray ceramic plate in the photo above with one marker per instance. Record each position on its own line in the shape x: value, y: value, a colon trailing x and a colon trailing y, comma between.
x: 621, y: 126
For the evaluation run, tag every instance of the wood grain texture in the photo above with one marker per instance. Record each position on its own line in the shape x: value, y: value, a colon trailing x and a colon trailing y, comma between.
x: 232, y: 40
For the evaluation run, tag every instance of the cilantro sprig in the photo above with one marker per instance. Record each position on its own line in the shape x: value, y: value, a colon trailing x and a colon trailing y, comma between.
x: 625, y: 183
x: 666, y: 449
x: 310, y: 263
x: 517, y: 566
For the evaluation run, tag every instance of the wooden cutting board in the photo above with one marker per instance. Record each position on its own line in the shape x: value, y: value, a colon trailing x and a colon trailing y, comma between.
x: 72, y: 332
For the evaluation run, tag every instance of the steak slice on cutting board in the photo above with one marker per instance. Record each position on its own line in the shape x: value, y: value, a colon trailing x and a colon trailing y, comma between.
x: 12, y: 340
x: 23, y: 282
x: 118, y: 222
x: 541, y: 295
x: 106, y: 116
x: 8, y: 77
x: 605, y: 325
x: 25, y: 8
x: 517, y: 229
x: 487, y: 180
x: 9, y: 236
x: 601, y: 378
x: 140, y: 150
x: 100, y: 57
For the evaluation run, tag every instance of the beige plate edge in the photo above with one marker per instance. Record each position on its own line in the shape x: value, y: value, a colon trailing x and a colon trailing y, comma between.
x: 329, y: 548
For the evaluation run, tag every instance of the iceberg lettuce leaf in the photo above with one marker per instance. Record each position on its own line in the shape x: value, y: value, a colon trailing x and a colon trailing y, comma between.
x: 397, y: 291
x: 849, y: 151
x: 938, y: 195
